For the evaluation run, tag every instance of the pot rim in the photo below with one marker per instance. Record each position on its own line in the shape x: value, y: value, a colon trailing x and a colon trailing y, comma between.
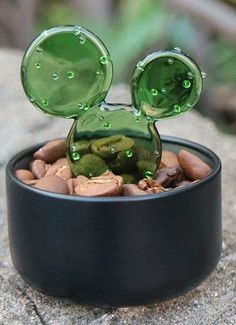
x: 166, y: 139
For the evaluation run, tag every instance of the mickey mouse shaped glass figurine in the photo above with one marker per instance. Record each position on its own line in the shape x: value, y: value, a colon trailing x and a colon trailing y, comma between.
x: 67, y: 72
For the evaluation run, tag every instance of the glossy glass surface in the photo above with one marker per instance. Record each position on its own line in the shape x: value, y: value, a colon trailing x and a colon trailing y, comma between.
x: 65, y: 70
x: 114, y: 138
x: 166, y: 84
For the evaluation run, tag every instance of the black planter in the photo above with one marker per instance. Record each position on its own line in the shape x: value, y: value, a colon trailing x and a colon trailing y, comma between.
x: 117, y: 251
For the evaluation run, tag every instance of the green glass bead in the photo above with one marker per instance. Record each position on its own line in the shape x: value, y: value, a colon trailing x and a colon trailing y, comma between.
x: 148, y: 174
x: 146, y: 169
x: 75, y: 156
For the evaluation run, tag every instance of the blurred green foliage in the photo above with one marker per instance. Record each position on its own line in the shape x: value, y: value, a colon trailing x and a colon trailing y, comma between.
x: 138, y: 27
x: 223, y: 57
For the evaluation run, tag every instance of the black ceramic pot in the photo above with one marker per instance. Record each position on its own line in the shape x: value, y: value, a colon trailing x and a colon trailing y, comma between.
x: 117, y: 251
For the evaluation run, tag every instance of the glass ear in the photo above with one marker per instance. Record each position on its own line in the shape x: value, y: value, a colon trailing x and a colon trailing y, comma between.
x: 66, y: 70
x: 165, y: 84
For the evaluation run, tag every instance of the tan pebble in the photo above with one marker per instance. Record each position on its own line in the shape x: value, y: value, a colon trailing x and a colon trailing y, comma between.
x: 161, y: 165
x: 169, y: 159
x: 193, y: 167
x: 39, y: 168
x: 64, y: 172
x: 132, y: 189
x: 150, y: 186
x: 79, y: 180
x: 61, y: 162
x: 154, y: 190
x: 60, y: 168
x: 53, y: 183
x: 71, y: 184
x: 183, y: 183
x: 24, y: 174
x: 51, y: 151
x: 30, y: 181
x: 146, y: 183
x: 107, y: 185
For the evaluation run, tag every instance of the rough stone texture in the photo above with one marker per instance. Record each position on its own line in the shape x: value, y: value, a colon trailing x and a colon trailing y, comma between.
x: 211, y: 303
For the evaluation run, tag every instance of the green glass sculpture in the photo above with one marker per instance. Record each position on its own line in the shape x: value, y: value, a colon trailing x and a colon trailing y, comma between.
x: 67, y: 72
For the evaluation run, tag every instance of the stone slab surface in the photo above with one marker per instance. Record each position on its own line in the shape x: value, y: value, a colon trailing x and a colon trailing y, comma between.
x: 213, y: 302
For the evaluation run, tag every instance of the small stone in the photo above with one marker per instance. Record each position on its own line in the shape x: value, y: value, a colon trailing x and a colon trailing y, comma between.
x: 24, y: 174
x: 193, y: 167
x: 30, y: 181
x: 53, y: 183
x: 71, y: 184
x: 51, y: 151
x: 79, y: 180
x: 107, y: 184
x: 168, y: 176
x: 60, y: 168
x: 39, y: 168
x: 150, y: 186
x: 183, y: 183
x: 131, y: 190
x: 169, y: 159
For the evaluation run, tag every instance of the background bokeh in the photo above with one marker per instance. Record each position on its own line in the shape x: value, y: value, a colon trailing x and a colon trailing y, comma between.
x: 206, y: 30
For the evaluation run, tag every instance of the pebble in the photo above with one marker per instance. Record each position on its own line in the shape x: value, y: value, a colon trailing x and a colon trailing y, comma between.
x: 193, y: 167
x: 60, y: 168
x: 132, y: 189
x: 51, y: 151
x: 39, y: 168
x: 150, y: 186
x: 53, y: 183
x: 169, y: 159
x: 24, y: 174
x: 104, y: 185
x: 168, y: 176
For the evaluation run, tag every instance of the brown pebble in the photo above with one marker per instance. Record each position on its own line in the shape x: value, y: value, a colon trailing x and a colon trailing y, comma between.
x: 60, y: 168
x: 161, y: 165
x: 30, y: 181
x: 132, y: 189
x: 168, y: 176
x: 183, y: 183
x: 73, y: 182
x: 61, y: 162
x: 24, y: 174
x: 154, y: 190
x: 53, y: 183
x: 169, y: 159
x: 51, y: 151
x: 79, y: 180
x: 150, y: 186
x: 193, y: 167
x: 70, y: 184
x: 104, y: 185
x: 39, y: 168
x: 145, y: 184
